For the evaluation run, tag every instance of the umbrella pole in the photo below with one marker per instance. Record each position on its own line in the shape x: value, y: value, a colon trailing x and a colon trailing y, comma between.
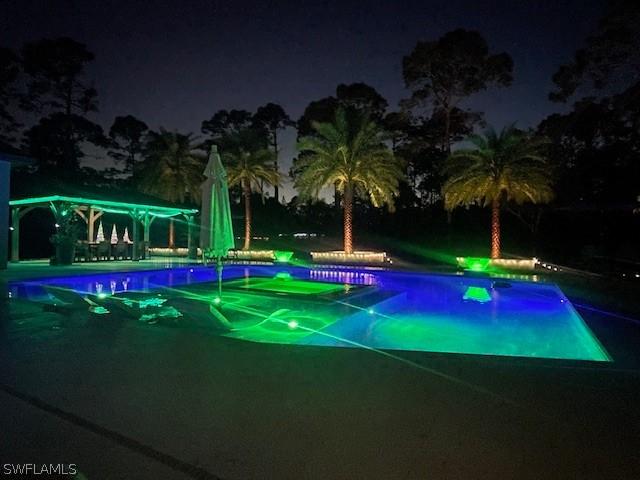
x: 219, y: 270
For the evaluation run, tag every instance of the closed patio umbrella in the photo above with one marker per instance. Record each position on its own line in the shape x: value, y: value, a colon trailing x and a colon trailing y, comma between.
x: 114, y: 235
x: 100, y: 235
x: 220, y: 238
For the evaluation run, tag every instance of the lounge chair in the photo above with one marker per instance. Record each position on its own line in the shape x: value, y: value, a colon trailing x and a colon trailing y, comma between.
x: 140, y: 306
x: 67, y: 301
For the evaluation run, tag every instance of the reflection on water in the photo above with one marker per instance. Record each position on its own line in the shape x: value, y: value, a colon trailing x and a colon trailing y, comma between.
x: 352, y: 277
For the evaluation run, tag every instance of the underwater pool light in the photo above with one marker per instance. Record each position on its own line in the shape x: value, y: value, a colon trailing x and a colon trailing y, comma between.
x: 477, y: 294
x: 217, y: 301
x: 102, y: 295
x: 292, y: 324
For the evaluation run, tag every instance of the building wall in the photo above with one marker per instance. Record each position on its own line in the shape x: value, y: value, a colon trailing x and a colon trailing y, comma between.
x: 5, y: 168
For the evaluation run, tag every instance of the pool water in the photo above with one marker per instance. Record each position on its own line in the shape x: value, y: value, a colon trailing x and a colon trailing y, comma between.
x: 372, y: 308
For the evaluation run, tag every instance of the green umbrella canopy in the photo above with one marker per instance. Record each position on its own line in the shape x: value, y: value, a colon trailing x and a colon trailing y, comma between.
x: 221, y: 235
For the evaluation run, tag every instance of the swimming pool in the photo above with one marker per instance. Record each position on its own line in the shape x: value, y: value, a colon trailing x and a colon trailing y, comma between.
x: 372, y: 308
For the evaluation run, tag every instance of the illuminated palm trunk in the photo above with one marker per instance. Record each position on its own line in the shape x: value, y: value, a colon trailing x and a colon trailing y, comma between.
x: 495, y: 229
x: 172, y: 234
x: 247, y: 217
x: 348, y: 219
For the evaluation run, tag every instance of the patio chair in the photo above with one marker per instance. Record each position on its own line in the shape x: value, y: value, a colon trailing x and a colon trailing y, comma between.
x: 82, y: 252
x: 104, y: 252
x: 120, y: 251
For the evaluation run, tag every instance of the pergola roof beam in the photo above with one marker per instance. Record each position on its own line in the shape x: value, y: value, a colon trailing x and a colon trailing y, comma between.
x: 106, y: 205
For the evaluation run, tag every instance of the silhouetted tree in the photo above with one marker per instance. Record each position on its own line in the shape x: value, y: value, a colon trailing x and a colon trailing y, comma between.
x: 127, y: 141
x: 611, y: 57
x: 55, y: 83
x: 363, y: 98
x: 443, y: 72
x: 596, y: 144
x: 224, y: 125
x: 272, y: 118
x: 9, y: 72
x: 56, y: 142
x: 356, y: 96
x: 55, y: 71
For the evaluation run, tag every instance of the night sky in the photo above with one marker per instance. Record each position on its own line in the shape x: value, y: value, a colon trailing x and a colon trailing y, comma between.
x: 173, y: 64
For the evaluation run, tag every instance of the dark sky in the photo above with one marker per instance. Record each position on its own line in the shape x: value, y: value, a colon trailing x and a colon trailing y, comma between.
x: 173, y: 64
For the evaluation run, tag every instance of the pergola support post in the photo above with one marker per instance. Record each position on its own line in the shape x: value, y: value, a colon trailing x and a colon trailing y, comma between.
x: 134, y: 239
x: 15, y: 234
x: 192, y: 251
x: 91, y: 222
x: 145, y: 235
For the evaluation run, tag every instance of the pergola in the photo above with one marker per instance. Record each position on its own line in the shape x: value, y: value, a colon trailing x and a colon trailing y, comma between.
x: 90, y: 209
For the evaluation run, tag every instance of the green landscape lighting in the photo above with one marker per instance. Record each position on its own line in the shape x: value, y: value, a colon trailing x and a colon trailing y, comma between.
x: 475, y: 264
x: 477, y: 294
x: 282, y: 256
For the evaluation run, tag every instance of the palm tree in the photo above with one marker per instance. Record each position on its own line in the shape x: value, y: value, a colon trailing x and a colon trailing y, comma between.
x: 349, y: 153
x: 509, y: 166
x: 249, y: 166
x: 172, y: 169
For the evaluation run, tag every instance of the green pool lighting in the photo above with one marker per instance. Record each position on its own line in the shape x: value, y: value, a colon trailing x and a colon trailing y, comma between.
x: 102, y: 295
x: 217, y: 300
x: 477, y: 294
x: 371, y: 311
x: 475, y: 264
x: 293, y: 324
x: 284, y: 282
x: 282, y: 256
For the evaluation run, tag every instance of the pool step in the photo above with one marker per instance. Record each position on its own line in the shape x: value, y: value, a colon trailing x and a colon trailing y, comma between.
x: 356, y: 323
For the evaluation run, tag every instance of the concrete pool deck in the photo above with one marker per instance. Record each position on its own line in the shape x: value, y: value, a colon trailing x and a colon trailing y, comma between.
x: 27, y: 269
x: 126, y: 400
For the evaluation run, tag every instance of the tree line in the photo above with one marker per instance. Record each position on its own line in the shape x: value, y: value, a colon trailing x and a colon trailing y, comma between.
x: 590, y: 152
